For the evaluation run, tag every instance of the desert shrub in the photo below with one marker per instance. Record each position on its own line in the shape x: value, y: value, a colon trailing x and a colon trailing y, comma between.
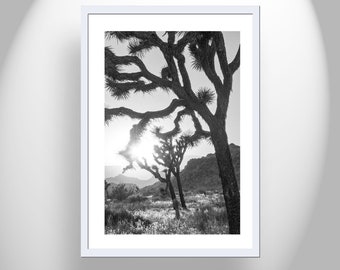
x: 218, y: 201
x: 140, y: 206
x: 130, y: 207
x: 121, y: 191
x: 136, y: 198
x: 210, y: 220
x: 191, y: 199
x: 113, y: 217
x: 160, y: 197
x: 188, y: 193
x: 122, y: 221
x: 202, y: 191
x: 200, y: 220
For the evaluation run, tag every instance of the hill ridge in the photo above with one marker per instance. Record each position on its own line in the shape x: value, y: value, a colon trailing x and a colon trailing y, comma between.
x: 201, y: 174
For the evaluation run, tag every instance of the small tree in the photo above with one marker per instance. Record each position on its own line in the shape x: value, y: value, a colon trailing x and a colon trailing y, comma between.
x: 154, y: 170
x: 175, y: 153
x: 179, y: 151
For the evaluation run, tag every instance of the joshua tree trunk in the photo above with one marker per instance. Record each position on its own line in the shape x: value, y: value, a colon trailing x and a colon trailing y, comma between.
x: 180, y: 190
x: 230, y: 188
x: 174, y: 200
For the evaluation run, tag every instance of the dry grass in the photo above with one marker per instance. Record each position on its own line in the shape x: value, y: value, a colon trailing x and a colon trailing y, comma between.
x: 206, y: 214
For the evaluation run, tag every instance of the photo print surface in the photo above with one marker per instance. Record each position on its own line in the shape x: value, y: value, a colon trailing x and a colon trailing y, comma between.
x: 172, y: 132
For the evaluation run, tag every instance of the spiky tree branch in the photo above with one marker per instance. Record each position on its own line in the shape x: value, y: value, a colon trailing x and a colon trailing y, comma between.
x: 146, y: 116
x: 188, y: 37
x: 181, y: 148
x: 122, y: 36
x: 192, y: 139
x: 170, y: 155
x: 176, y: 130
x: 115, y: 62
x: 138, y: 129
x: 235, y: 64
x: 203, y: 54
x: 222, y: 55
x: 184, y: 73
x: 122, y: 90
x: 154, y: 170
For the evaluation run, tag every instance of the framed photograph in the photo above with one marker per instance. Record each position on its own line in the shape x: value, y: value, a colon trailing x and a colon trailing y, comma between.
x: 170, y: 131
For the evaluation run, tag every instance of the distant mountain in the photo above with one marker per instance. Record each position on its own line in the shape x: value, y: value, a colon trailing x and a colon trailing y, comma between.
x: 122, y: 179
x: 201, y: 174
x: 112, y: 171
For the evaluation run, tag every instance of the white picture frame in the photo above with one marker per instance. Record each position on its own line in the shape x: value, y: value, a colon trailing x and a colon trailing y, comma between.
x: 94, y: 242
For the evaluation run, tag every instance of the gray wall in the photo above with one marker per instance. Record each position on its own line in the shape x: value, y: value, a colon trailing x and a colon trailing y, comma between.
x: 320, y: 246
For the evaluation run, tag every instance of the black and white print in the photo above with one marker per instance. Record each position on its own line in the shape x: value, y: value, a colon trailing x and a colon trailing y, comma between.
x: 172, y: 132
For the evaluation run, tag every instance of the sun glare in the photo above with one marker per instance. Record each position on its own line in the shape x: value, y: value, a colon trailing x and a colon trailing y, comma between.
x: 145, y: 149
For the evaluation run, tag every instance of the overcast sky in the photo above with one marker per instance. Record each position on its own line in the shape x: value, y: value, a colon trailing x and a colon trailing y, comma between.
x: 117, y: 131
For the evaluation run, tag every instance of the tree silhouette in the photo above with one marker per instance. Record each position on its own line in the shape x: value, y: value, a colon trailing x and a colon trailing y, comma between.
x: 175, y: 153
x: 179, y: 151
x: 154, y: 170
x: 207, y: 49
x: 170, y: 156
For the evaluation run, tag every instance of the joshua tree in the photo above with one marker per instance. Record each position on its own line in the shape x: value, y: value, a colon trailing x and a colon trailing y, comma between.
x: 174, y: 152
x: 207, y: 49
x: 179, y: 151
x: 154, y: 170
